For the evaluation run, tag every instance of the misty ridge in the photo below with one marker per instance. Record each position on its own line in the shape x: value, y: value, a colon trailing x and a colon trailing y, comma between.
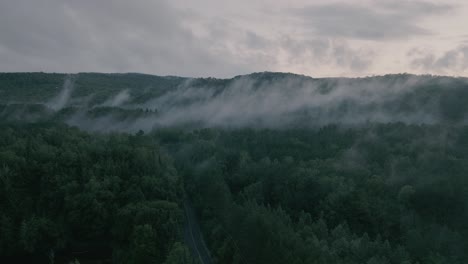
x: 132, y: 102
x: 339, y: 170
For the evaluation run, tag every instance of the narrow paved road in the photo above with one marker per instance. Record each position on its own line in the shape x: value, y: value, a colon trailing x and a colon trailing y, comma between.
x: 193, y: 236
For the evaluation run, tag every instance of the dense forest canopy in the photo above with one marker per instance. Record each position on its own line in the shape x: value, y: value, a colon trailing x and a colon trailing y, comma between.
x: 279, y: 168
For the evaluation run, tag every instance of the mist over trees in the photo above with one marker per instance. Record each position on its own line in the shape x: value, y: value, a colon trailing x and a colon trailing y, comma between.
x: 280, y: 168
x: 132, y: 102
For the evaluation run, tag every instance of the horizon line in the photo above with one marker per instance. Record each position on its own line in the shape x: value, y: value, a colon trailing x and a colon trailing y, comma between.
x: 242, y: 75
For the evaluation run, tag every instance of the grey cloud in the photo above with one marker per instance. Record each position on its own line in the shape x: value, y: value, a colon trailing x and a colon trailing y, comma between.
x: 451, y: 60
x: 72, y: 36
x: 356, y: 60
x: 150, y: 37
x: 417, y: 8
x: 464, y: 39
x: 155, y: 36
x: 325, y: 51
x: 384, y: 20
x: 256, y: 41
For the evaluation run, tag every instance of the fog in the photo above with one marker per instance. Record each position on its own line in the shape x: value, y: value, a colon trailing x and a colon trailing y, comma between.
x: 61, y: 100
x: 276, y: 101
x: 116, y: 101
x: 285, y: 102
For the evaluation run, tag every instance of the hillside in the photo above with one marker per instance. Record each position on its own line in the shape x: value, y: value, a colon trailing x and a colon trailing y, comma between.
x: 271, y: 167
x: 132, y: 102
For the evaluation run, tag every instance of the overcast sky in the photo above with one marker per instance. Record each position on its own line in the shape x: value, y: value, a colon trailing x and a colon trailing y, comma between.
x: 227, y: 38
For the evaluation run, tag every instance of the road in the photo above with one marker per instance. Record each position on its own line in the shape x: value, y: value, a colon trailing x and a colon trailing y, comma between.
x: 193, y: 236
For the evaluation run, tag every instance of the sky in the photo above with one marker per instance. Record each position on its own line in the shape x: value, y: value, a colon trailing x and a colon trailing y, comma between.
x: 212, y: 38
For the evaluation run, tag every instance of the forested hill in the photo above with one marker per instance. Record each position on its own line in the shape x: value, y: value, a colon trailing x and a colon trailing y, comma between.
x: 132, y: 102
x: 278, y: 168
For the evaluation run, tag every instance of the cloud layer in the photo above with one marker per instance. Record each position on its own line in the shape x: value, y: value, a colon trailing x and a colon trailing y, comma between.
x: 210, y: 38
x: 385, y: 20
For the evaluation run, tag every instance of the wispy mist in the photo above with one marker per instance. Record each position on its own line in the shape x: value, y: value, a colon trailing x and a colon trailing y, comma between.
x: 266, y: 100
x: 61, y: 100
x: 116, y: 101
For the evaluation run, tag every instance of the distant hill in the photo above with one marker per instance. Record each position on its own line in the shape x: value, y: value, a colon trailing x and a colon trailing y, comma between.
x: 267, y: 99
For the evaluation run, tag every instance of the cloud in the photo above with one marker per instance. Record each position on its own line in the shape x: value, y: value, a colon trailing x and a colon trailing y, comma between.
x: 141, y: 36
x: 453, y: 60
x: 380, y: 21
x: 321, y: 52
x: 208, y: 38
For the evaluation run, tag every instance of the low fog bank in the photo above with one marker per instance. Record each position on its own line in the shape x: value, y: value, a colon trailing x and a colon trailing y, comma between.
x: 263, y: 100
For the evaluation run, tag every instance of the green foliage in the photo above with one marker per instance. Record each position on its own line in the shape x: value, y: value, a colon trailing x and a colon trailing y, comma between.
x: 180, y: 254
x: 369, y: 193
x: 65, y: 191
x: 41, y: 87
x: 390, y: 193
x: 39, y: 235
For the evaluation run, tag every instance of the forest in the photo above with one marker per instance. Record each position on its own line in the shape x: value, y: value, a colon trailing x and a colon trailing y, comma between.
x: 91, y: 182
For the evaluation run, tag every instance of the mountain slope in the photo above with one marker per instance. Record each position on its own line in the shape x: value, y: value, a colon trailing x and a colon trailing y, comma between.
x: 265, y: 100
